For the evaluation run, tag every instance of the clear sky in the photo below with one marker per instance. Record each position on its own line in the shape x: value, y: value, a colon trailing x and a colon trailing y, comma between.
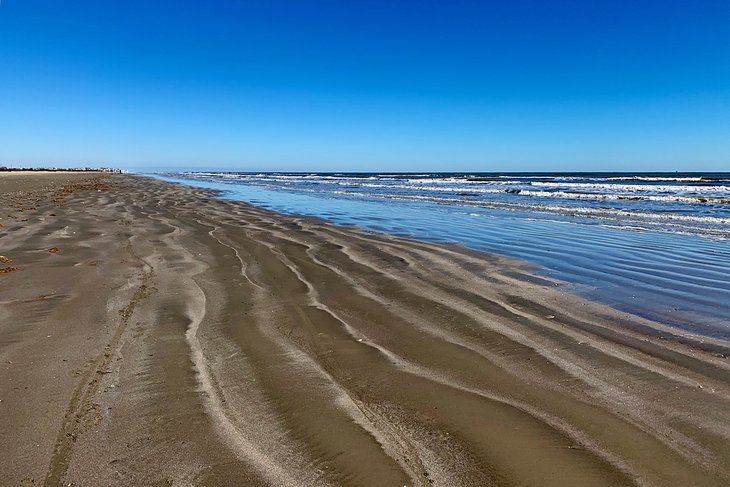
x: 367, y: 84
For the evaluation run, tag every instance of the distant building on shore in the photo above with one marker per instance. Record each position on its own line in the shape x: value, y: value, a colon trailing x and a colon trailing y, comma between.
x: 62, y: 169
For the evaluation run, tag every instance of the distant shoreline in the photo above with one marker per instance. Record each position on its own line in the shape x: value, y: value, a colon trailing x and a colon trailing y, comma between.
x: 59, y: 169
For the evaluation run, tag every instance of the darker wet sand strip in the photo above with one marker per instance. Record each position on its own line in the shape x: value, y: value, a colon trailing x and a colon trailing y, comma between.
x: 178, y: 338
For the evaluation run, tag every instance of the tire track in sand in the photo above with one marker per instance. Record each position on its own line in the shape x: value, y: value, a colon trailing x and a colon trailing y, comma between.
x: 81, y: 407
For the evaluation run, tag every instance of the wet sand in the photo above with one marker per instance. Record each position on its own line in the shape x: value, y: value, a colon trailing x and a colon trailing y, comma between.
x: 151, y: 334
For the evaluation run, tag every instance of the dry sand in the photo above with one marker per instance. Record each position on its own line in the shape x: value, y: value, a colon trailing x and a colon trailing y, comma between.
x: 151, y: 334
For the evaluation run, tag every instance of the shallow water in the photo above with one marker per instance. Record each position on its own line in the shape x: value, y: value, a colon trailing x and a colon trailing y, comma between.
x: 657, y: 245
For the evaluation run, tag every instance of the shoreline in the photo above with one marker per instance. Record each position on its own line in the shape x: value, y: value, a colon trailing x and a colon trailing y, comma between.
x: 226, y: 343
x: 671, y: 278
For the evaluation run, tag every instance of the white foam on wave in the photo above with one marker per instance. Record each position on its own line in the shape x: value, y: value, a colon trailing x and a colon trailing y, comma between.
x: 658, y: 179
x: 628, y: 197
x: 637, y: 187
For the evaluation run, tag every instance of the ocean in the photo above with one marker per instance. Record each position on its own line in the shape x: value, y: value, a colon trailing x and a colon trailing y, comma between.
x: 654, y: 244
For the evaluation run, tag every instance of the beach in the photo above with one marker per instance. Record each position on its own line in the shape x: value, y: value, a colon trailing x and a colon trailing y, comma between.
x: 154, y: 334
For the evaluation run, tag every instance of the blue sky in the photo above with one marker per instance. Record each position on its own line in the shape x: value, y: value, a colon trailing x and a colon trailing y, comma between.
x: 367, y: 85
